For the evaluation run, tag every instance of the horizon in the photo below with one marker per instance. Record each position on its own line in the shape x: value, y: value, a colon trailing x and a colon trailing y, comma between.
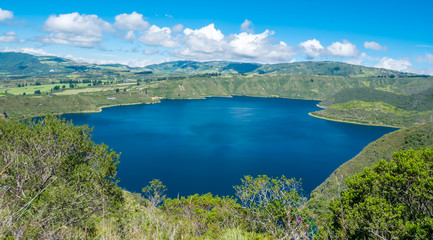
x: 388, y: 35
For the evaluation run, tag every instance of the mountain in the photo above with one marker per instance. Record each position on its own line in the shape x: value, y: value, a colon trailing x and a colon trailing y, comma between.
x: 12, y: 63
x: 19, y: 64
x: 306, y: 68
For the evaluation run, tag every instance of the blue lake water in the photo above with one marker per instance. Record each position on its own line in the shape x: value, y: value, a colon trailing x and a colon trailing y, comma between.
x: 201, y: 146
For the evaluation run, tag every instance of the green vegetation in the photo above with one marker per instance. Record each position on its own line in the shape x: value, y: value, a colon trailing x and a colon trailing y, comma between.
x: 54, y: 181
x: 305, y: 68
x: 57, y: 183
x: 392, y: 200
x: 370, y: 106
x: 348, y: 91
x: 403, y: 139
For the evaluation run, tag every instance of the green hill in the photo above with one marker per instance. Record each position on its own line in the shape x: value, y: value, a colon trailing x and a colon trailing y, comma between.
x: 403, y: 139
x: 22, y: 64
x: 372, y: 106
x: 12, y: 63
x: 306, y: 68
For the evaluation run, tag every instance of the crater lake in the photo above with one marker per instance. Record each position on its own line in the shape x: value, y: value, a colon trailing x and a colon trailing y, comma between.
x: 201, y: 146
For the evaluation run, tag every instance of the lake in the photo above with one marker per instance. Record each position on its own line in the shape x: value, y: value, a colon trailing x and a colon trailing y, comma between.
x: 201, y: 146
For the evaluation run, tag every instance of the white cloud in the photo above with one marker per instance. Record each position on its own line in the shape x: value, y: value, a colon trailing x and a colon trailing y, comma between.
x: 5, y: 14
x: 150, y: 51
x: 374, y: 46
x: 156, y: 36
x: 258, y: 46
x: 361, y: 59
x: 133, y: 21
x: 75, y: 29
x: 206, y: 40
x: 402, y: 65
x: 139, y: 62
x: 343, y: 49
x: 312, y: 48
x: 130, y: 36
x: 246, y: 26
x: 32, y: 51
x: 177, y: 28
x: 10, y: 37
x: 428, y: 58
x: 209, y: 43
x: 250, y: 45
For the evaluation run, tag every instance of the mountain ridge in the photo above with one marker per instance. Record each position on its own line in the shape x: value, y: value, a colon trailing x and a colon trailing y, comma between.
x: 15, y: 63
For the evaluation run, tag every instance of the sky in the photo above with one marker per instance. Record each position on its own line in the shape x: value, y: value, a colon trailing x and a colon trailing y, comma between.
x: 394, y: 34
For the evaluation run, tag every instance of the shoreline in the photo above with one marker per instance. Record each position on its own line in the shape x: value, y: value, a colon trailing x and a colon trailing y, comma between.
x: 205, y: 97
x: 352, y: 122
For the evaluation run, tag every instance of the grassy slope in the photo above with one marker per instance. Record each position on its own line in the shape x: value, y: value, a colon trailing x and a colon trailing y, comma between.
x: 414, y: 137
x: 371, y: 106
x: 269, y: 85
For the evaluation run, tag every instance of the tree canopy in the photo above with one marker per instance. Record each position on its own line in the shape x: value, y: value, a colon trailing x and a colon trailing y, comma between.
x: 392, y: 200
x: 53, y: 177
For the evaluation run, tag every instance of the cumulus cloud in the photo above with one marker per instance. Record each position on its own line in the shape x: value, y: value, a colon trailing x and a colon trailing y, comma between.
x: 75, y: 29
x: 177, y: 28
x: 246, y: 26
x: 257, y: 46
x: 343, y: 49
x: 5, y: 14
x: 133, y: 21
x: 156, y: 36
x: 206, y: 40
x: 130, y: 36
x: 428, y: 58
x: 312, y: 48
x: 402, y: 65
x: 209, y: 43
x: 374, y: 46
x: 10, y: 37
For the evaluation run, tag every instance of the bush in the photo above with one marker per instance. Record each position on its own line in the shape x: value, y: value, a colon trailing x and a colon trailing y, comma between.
x: 393, y: 200
x: 275, y: 207
x: 53, y: 179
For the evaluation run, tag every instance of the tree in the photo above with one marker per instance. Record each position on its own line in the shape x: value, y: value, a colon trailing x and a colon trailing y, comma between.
x: 117, y: 90
x: 274, y: 206
x: 38, y: 92
x: 155, y: 192
x: 393, y: 200
x: 53, y: 179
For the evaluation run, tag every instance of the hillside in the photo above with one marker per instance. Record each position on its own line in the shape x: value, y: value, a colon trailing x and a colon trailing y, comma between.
x: 350, y: 93
x: 371, y: 106
x: 22, y: 64
x: 306, y: 68
x: 403, y: 139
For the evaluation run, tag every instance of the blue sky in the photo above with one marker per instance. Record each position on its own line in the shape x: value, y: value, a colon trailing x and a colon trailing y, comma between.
x: 390, y: 34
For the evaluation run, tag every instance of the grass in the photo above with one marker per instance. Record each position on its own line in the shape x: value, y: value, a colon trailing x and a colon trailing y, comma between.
x: 45, y: 88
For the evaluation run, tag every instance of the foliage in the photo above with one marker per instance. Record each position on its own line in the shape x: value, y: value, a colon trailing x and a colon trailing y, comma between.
x: 376, y: 113
x: 155, y: 192
x: 372, y: 106
x: 274, y: 206
x: 53, y: 179
x: 390, y: 201
x: 403, y: 139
